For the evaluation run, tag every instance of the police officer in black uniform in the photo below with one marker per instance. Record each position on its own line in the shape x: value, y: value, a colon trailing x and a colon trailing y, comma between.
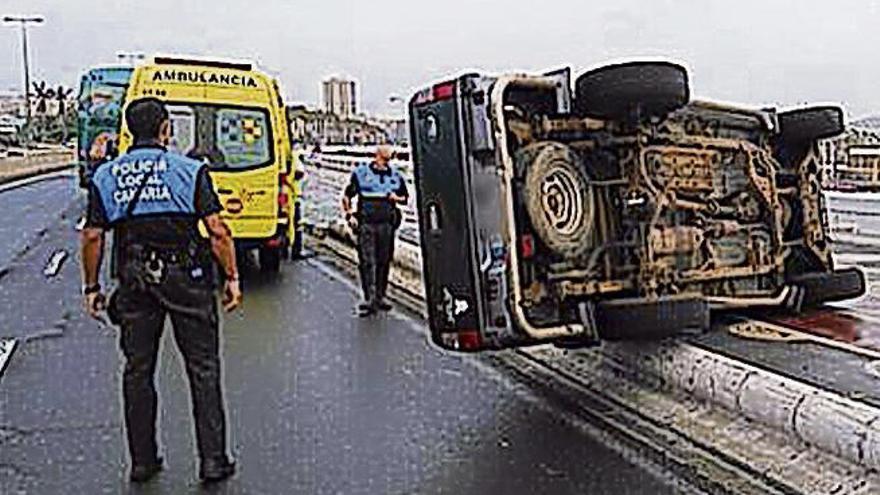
x: 379, y: 188
x: 153, y: 200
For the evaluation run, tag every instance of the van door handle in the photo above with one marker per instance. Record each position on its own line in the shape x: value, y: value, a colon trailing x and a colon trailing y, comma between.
x: 224, y: 191
x: 433, y: 219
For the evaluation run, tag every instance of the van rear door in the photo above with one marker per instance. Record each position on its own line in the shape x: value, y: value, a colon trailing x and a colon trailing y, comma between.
x: 443, y: 187
x: 238, y: 145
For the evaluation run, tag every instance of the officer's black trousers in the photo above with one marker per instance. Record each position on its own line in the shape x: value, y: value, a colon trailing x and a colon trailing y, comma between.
x: 193, y: 311
x: 375, y: 251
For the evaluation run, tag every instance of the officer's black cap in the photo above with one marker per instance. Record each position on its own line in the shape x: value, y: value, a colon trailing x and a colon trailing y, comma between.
x: 144, y: 116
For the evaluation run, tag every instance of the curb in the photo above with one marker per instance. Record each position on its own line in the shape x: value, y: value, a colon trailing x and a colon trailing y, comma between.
x: 828, y: 420
x: 29, y: 174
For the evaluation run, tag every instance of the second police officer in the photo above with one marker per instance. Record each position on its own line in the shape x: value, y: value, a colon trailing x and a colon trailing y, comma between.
x: 380, y: 189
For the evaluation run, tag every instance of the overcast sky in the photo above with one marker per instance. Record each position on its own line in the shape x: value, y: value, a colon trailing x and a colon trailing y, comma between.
x: 754, y: 51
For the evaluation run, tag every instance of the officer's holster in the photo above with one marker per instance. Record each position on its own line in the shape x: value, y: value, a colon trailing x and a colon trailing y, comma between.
x: 146, y: 268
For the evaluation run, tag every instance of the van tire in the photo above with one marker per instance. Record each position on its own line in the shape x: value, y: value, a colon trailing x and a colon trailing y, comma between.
x: 642, y: 319
x: 824, y: 287
x: 809, y: 124
x: 646, y: 89
x: 558, y: 197
x: 270, y: 260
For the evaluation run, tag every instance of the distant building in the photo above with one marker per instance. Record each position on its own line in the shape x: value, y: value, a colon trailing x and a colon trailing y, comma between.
x: 396, y: 129
x: 340, y: 97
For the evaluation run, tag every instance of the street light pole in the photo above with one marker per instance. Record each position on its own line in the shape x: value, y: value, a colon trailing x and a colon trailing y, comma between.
x: 24, y: 21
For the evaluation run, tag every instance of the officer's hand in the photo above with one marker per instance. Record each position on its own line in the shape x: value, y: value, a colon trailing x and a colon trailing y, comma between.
x: 396, y: 199
x: 95, y: 304
x: 352, y: 223
x: 231, y: 295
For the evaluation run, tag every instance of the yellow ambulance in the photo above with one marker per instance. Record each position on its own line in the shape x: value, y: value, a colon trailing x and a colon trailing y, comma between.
x: 233, y: 118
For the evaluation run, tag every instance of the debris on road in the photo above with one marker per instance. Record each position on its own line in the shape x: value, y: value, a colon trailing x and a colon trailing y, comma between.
x: 55, y: 263
x: 7, y: 346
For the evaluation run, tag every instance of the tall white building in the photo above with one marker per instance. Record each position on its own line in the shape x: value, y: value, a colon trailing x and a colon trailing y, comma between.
x: 340, y: 97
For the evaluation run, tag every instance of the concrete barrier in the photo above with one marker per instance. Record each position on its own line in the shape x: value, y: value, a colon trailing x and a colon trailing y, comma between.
x: 828, y: 420
x: 40, y: 162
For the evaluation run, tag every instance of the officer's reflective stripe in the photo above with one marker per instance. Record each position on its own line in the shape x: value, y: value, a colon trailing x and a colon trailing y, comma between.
x: 170, y: 188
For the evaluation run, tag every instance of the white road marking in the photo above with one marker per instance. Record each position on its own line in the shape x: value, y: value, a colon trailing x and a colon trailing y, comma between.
x: 34, y: 179
x: 6, y: 348
x: 55, y: 262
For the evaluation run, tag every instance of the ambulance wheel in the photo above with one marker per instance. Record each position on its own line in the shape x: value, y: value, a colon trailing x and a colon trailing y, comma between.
x: 296, y: 249
x: 270, y: 260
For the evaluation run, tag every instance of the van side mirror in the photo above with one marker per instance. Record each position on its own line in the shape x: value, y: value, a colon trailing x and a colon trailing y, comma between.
x: 298, y: 175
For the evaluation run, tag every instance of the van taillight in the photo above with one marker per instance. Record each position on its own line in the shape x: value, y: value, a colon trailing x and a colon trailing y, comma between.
x: 528, y: 246
x: 469, y: 340
x: 283, y: 197
x: 444, y: 91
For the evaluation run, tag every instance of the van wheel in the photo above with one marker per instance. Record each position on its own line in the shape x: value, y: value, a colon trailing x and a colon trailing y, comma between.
x: 635, y: 88
x: 809, y: 124
x: 558, y: 197
x: 270, y: 260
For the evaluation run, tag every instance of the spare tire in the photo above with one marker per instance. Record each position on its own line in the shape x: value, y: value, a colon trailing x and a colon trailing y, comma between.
x: 809, y: 124
x: 636, y: 88
x: 558, y: 197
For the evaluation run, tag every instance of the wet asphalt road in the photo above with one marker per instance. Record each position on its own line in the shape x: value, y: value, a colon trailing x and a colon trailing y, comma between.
x: 319, y: 401
x: 33, y: 206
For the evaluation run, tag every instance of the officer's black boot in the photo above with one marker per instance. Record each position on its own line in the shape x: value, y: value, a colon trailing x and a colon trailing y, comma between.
x: 366, y: 309
x: 142, y: 473
x: 216, y: 470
